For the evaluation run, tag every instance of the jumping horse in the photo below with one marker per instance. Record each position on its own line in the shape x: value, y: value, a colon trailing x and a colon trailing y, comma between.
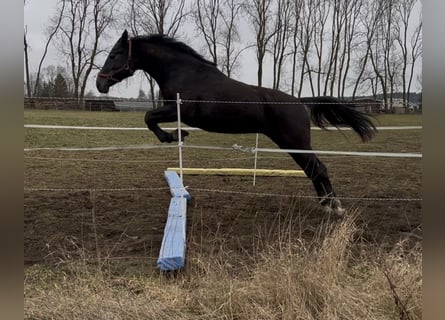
x: 177, y: 68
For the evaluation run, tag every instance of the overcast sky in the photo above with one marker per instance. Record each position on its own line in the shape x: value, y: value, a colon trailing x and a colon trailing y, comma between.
x: 36, y: 18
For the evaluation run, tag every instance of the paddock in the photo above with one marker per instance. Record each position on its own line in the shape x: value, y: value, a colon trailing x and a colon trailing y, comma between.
x: 86, y: 202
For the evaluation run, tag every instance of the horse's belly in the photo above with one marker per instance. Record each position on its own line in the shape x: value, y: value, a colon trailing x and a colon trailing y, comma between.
x: 227, y: 120
x: 229, y: 125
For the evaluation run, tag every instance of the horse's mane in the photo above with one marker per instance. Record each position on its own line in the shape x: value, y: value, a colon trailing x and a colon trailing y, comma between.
x: 173, y: 44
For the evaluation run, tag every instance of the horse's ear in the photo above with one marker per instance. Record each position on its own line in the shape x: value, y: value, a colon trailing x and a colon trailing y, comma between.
x: 124, y: 37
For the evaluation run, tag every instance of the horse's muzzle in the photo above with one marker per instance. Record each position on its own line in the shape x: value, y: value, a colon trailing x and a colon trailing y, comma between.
x: 102, y: 85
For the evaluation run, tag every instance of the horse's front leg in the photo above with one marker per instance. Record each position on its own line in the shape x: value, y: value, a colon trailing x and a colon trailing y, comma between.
x: 167, y: 113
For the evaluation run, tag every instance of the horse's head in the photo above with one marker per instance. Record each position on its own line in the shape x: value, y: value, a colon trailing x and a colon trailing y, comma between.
x: 117, y: 66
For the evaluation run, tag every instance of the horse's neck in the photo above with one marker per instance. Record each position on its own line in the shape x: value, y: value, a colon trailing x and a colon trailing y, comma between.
x: 165, y: 76
x: 168, y: 73
x: 171, y: 79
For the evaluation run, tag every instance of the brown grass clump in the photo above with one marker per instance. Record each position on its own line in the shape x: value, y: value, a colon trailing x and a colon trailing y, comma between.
x: 321, y: 279
x: 327, y: 277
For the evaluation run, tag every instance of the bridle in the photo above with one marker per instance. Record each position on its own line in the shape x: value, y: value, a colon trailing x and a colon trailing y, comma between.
x: 125, y: 68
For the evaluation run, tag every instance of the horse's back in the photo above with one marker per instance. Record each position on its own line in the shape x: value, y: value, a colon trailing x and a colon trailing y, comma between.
x: 230, y: 106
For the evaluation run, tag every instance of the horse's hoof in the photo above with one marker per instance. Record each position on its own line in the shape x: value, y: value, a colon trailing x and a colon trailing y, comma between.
x: 334, y: 208
x: 175, y: 135
x: 339, y: 211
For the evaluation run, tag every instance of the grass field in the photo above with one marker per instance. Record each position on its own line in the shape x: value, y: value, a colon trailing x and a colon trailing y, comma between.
x: 263, y: 252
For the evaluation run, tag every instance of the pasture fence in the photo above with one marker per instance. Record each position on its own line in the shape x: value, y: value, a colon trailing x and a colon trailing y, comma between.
x: 172, y: 253
x: 181, y: 145
x: 235, y: 147
x: 109, y: 103
x: 211, y: 190
x: 163, y: 161
x: 45, y: 126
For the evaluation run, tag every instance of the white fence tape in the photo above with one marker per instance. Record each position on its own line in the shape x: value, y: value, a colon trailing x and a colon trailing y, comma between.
x: 345, y: 153
x: 44, y: 126
x: 235, y: 147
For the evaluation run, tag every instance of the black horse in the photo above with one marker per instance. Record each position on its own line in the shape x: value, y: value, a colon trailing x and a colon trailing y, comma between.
x: 177, y: 68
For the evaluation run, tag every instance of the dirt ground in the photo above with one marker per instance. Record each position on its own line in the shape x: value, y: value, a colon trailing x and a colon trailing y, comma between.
x: 115, y: 206
x: 112, y: 205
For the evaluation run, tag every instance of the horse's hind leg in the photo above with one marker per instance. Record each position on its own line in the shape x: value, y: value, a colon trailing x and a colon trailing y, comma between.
x: 317, y: 172
x: 167, y: 113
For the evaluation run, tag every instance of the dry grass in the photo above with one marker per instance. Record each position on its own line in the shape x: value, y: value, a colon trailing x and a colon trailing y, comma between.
x: 322, y: 278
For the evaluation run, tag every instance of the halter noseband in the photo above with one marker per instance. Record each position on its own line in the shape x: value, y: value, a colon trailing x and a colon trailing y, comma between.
x: 125, y: 67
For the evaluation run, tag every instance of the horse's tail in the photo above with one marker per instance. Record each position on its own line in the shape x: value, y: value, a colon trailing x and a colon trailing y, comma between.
x: 329, y: 110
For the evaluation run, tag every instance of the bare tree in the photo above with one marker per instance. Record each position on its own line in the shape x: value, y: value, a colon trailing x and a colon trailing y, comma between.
x: 343, y: 16
x: 404, y: 9
x: 83, y: 24
x: 381, y: 49
x: 351, y: 39
x: 260, y: 16
x: 383, y: 53
x: 309, y: 29
x: 392, y: 58
x: 319, y: 19
x: 416, y: 52
x: 342, y: 44
x: 297, y: 35
x: 329, y: 72
x: 230, y: 36
x: 206, y: 17
x: 369, y: 20
x: 28, y: 83
x: 280, y: 38
x: 217, y: 21
x: 155, y: 16
x: 52, y: 31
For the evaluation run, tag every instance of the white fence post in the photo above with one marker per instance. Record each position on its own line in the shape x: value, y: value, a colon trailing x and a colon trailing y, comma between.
x: 256, y: 159
x: 180, y: 143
